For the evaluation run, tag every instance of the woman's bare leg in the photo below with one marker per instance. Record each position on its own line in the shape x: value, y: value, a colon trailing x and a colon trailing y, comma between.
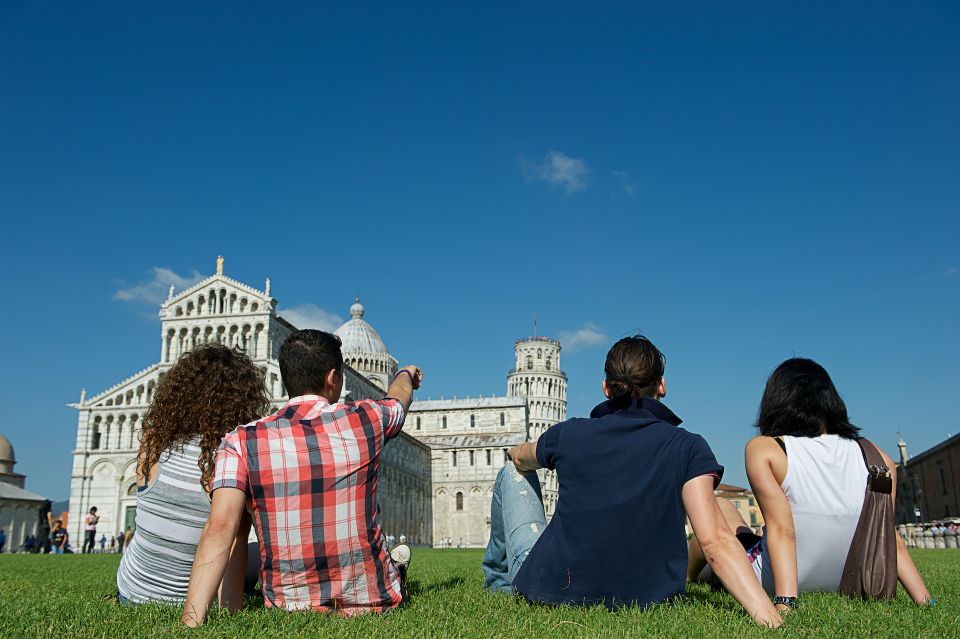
x: 696, y: 560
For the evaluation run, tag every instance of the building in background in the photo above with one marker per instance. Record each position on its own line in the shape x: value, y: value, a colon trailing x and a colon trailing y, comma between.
x: 437, y: 477
x: 928, y: 485
x: 538, y: 379
x: 223, y: 310
x: 20, y: 509
x: 743, y: 500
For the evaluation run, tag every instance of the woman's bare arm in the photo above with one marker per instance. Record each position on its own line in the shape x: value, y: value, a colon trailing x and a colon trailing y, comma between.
x: 765, y: 461
x: 907, y: 571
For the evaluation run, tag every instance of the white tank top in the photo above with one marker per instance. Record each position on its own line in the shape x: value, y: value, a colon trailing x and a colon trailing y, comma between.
x: 825, y: 483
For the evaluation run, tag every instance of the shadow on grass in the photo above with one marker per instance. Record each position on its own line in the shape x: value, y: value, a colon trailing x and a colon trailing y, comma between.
x: 417, y: 588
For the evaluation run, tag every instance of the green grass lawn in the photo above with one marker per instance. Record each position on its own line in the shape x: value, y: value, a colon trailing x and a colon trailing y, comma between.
x: 72, y: 596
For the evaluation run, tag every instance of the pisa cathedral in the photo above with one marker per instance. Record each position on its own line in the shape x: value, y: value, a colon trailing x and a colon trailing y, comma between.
x: 436, y: 478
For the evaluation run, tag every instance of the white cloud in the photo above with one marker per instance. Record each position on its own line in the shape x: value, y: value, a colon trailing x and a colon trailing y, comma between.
x: 625, y: 182
x: 558, y: 169
x: 311, y: 316
x: 953, y: 270
x: 154, y: 290
x: 589, y: 335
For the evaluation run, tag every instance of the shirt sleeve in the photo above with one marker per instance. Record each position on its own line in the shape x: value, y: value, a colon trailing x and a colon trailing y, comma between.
x: 392, y: 416
x: 701, y: 461
x: 230, y: 470
x: 548, y: 447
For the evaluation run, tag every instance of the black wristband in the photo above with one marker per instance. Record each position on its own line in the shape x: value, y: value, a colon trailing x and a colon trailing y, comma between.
x: 792, y: 602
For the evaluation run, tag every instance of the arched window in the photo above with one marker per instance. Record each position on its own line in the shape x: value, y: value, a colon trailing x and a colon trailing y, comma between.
x: 503, y: 419
x: 505, y: 458
x: 418, y: 423
x: 539, y: 353
x: 459, y: 501
x: 454, y: 458
x: 488, y: 457
x: 549, y: 360
x: 529, y: 362
x: 471, y: 458
x: 445, y: 425
x: 473, y: 421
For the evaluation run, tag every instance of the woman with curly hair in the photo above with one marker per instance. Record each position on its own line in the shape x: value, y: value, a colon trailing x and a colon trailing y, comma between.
x: 207, y: 393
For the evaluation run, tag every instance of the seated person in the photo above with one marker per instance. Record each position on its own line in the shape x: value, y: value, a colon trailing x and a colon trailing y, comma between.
x: 808, y: 475
x: 628, y: 476
x: 207, y: 392
x: 308, y: 473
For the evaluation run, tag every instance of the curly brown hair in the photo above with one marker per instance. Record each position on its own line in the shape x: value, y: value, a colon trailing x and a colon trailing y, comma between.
x: 208, y: 392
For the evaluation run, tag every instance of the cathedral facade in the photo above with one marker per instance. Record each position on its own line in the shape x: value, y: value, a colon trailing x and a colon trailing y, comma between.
x: 436, y: 478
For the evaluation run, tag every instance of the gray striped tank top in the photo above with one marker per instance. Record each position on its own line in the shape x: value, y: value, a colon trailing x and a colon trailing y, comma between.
x: 171, y: 513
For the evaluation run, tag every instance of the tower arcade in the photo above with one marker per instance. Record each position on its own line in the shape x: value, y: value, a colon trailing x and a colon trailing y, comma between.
x: 538, y: 378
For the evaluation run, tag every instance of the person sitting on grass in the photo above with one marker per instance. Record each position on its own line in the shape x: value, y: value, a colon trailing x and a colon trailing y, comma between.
x: 628, y: 475
x: 808, y: 475
x: 207, y: 392
x: 309, y: 475
x: 59, y: 538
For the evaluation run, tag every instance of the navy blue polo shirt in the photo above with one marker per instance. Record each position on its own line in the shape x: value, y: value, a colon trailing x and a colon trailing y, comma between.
x: 617, y: 536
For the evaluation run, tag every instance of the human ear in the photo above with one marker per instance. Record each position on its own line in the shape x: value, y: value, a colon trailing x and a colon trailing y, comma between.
x: 606, y: 392
x: 662, y: 388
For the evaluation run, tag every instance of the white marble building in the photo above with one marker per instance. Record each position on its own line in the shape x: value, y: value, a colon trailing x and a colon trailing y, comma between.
x: 437, y: 477
x: 20, y: 509
x: 224, y: 310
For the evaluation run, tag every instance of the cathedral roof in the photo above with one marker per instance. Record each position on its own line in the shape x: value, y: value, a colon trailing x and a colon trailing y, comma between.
x: 358, y: 337
x: 9, y: 491
x: 488, y: 440
x: 469, y: 403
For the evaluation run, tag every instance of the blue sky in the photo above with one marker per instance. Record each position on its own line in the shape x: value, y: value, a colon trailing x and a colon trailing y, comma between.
x: 741, y: 184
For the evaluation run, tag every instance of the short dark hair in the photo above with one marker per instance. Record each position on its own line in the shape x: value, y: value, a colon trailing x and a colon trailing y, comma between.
x: 93, y: 509
x: 305, y: 359
x: 800, y: 400
x: 634, y: 366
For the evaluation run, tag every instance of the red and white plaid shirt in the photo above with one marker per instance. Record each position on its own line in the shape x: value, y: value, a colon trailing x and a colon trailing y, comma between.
x: 310, y: 472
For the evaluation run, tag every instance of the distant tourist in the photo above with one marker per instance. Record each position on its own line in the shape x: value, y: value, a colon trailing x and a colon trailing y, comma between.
x: 113, y: 543
x: 90, y: 531
x: 207, y: 392
x: 629, y: 477
x: 120, y: 542
x: 58, y: 538
x: 103, y: 544
x: 329, y: 459
x: 808, y: 475
x: 3, y: 539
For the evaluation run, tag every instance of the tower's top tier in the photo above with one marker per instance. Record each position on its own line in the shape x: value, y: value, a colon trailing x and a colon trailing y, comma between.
x: 537, y: 355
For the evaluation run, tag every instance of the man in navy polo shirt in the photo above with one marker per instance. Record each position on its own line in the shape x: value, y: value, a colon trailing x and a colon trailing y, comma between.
x: 628, y: 476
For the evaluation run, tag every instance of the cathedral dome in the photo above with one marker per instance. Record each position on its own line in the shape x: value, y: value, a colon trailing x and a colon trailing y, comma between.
x: 6, y: 450
x: 357, y: 336
x: 7, y: 458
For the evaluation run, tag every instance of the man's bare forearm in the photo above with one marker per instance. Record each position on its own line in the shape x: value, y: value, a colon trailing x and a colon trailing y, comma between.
x: 404, y: 383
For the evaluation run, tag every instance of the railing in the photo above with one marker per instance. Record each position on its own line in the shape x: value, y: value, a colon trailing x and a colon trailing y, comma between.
x: 548, y: 340
x: 535, y: 370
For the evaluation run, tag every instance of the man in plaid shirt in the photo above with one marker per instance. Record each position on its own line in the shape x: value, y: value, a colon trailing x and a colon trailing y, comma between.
x: 308, y: 476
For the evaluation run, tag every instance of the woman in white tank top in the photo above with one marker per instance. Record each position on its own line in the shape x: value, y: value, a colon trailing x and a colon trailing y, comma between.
x: 808, y: 475
x: 209, y: 391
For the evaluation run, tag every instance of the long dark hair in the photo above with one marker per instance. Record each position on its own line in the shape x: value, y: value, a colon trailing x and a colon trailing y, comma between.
x: 208, y: 392
x: 800, y: 400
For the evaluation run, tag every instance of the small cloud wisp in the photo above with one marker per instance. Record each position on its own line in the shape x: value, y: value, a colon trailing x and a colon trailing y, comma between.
x: 311, y: 316
x: 586, y: 337
x: 558, y: 169
x: 153, y: 291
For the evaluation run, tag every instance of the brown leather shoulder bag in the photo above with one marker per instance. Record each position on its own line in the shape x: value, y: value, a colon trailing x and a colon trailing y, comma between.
x: 870, y: 571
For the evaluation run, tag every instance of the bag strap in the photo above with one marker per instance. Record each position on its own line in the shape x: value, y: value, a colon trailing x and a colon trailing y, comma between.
x: 878, y: 475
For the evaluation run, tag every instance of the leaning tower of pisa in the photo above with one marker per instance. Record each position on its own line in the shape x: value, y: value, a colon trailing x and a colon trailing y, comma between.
x: 537, y: 377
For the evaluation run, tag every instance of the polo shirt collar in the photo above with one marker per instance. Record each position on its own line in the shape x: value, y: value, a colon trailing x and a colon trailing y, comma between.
x: 642, y: 407
x: 304, y: 399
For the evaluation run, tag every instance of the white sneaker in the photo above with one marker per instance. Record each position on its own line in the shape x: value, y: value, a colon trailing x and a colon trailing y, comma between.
x: 401, y: 556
